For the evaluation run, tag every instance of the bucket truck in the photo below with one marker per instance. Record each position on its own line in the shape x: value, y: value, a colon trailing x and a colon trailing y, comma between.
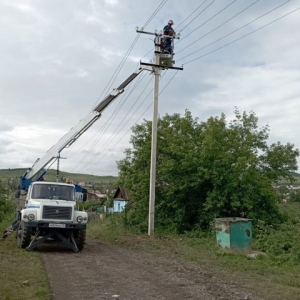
x: 47, y: 210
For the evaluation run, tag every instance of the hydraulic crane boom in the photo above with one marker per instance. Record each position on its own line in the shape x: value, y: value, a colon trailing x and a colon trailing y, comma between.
x: 39, y: 167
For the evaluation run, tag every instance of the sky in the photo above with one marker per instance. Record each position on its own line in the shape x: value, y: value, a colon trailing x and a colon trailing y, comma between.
x: 59, y: 58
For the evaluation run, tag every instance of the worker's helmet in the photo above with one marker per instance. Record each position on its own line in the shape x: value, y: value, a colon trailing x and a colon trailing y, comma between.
x: 171, y: 22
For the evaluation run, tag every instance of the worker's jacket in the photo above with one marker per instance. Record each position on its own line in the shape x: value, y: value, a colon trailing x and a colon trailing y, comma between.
x: 168, y: 30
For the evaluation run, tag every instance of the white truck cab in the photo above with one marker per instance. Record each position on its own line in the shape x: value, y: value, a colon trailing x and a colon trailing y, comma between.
x: 50, y: 212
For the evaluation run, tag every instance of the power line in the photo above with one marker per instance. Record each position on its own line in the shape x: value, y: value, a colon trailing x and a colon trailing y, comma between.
x: 151, y: 91
x: 106, y: 144
x: 215, y: 51
x: 100, y: 133
x: 110, y: 137
x: 205, y: 9
x: 190, y: 15
x: 235, y: 30
x: 166, y: 85
x: 147, y: 53
x: 198, y: 15
x: 105, y: 125
x: 117, y: 71
x: 186, y: 19
x: 207, y: 20
x: 219, y: 26
x: 244, y: 35
x: 155, y: 12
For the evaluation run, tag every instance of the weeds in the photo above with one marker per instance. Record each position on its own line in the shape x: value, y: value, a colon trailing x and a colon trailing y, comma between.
x: 281, y: 243
x: 22, y: 275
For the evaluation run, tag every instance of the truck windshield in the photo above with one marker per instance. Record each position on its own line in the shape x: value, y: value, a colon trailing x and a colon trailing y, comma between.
x: 53, y: 191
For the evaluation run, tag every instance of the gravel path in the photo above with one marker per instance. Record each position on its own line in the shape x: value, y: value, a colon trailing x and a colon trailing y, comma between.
x: 103, y: 271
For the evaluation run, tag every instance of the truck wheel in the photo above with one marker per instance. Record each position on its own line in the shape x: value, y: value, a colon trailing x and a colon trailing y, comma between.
x: 80, y: 237
x: 23, y: 236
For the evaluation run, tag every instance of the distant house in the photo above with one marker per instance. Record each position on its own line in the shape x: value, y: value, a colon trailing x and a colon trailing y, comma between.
x: 86, y: 184
x: 80, y: 193
x: 100, y: 195
x: 92, y: 196
x: 121, y: 198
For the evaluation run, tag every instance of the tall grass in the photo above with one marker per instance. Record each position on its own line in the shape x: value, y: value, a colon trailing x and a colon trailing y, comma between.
x: 22, y: 275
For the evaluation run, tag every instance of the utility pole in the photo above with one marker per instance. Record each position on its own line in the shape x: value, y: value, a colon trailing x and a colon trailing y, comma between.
x: 157, y: 67
x: 156, y: 71
x: 57, y: 169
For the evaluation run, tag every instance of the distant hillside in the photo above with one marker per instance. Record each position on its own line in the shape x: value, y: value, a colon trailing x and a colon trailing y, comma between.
x: 51, y: 176
x: 294, y: 174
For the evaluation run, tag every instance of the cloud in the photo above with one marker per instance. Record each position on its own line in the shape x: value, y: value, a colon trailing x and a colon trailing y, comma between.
x: 56, y: 65
x: 5, y: 127
x: 5, y: 143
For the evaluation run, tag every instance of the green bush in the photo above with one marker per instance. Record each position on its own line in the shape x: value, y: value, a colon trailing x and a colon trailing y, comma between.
x: 280, y: 241
x: 295, y: 196
x: 6, y: 205
x: 90, y: 205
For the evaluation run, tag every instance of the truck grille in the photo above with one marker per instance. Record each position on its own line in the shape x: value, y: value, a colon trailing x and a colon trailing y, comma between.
x: 57, y: 213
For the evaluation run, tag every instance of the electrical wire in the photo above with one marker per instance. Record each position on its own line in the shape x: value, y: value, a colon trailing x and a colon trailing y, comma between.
x: 148, y: 107
x: 114, y: 133
x: 155, y: 12
x: 207, y: 21
x: 101, y: 129
x: 189, y: 16
x: 101, y: 152
x: 219, y: 26
x: 198, y: 15
x: 107, y: 124
x: 244, y: 35
x: 184, y: 21
x: 232, y: 32
x: 117, y: 71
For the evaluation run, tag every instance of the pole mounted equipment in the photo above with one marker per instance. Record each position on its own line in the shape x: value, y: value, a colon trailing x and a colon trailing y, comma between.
x: 161, y: 62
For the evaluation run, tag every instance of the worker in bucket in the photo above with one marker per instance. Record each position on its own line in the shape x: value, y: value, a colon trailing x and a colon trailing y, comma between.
x: 167, y: 43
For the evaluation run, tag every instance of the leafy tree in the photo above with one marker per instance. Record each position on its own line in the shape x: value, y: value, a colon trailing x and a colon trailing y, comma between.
x: 283, y: 192
x: 205, y: 170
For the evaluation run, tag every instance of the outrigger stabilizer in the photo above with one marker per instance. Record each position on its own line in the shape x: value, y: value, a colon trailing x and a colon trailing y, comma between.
x: 52, y: 234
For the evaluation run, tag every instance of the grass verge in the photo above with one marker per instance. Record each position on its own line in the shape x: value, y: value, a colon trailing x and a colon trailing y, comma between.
x: 22, y: 275
x: 275, y: 275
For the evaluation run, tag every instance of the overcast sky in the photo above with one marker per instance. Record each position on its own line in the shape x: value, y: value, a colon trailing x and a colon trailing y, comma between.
x: 59, y: 58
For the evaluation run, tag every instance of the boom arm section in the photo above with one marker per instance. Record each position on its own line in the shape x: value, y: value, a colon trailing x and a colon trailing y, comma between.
x: 39, y: 167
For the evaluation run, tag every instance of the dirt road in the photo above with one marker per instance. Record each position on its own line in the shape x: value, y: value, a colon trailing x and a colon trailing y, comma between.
x: 103, y: 271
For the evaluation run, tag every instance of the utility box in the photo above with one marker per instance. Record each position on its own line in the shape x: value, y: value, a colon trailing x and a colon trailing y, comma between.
x: 100, y: 209
x: 234, y: 233
x: 166, y: 60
